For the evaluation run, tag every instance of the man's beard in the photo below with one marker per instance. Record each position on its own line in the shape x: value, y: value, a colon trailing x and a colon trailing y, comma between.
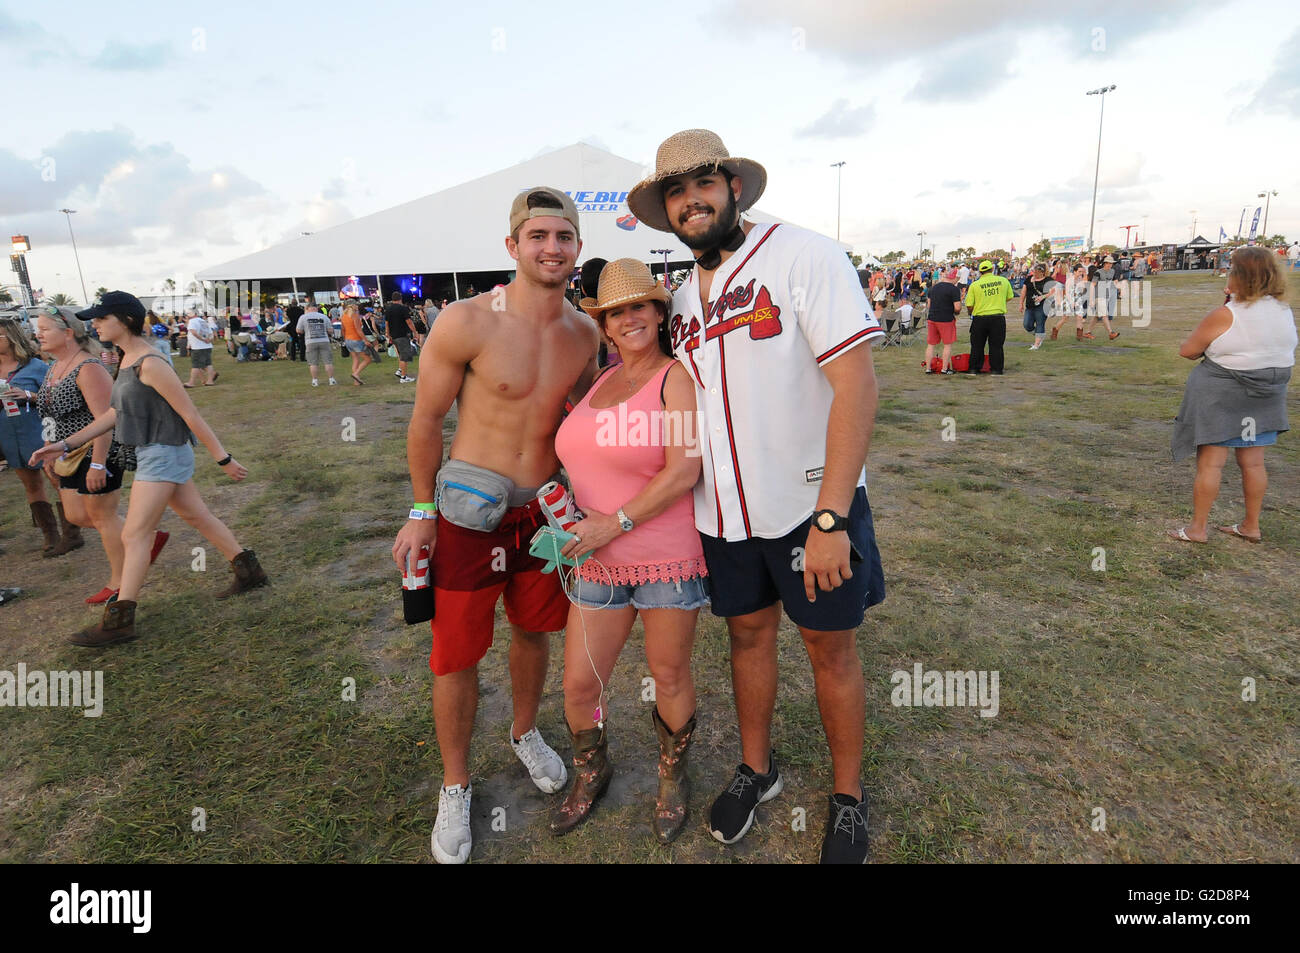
x: 720, y: 229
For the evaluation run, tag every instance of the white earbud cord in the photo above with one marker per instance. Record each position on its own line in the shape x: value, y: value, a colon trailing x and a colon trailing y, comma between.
x: 564, y: 581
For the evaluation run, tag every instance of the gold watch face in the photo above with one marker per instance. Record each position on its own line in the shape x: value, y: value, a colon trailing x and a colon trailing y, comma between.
x: 826, y: 521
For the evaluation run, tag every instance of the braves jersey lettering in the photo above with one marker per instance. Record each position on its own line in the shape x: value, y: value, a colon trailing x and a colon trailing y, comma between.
x: 763, y: 399
x: 763, y: 320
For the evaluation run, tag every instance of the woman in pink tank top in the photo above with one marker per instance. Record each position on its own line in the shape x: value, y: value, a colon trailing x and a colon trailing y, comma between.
x: 630, y: 451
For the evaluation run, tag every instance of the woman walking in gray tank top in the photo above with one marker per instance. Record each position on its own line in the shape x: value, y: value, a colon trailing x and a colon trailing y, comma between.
x: 152, y: 412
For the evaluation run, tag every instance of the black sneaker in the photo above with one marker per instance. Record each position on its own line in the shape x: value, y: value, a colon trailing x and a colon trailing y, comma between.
x: 846, y: 830
x: 733, y: 811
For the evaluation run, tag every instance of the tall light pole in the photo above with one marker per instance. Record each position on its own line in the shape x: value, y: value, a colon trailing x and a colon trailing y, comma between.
x: 921, y: 251
x: 1267, y: 197
x: 665, y: 252
x: 1192, y: 212
x: 69, y: 212
x: 839, y: 173
x: 1096, y: 173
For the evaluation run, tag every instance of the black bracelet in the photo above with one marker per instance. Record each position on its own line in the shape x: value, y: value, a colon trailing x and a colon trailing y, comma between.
x: 222, y: 462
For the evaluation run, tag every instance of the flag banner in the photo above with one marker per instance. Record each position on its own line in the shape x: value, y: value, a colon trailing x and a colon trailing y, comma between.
x: 1241, y: 222
x: 1254, y: 222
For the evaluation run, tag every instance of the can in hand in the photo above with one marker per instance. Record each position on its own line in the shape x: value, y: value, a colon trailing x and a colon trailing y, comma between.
x: 417, y: 589
x: 558, y: 506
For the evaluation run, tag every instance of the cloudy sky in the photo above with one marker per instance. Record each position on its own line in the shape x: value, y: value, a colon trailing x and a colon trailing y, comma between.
x: 187, y: 134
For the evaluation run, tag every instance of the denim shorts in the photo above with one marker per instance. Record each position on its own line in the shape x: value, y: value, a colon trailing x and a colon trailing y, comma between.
x: 163, y: 463
x: 690, y: 593
x: 355, y: 347
x: 1265, y: 438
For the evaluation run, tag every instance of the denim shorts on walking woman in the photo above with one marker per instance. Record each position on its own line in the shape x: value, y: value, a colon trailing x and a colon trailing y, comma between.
x: 163, y: 463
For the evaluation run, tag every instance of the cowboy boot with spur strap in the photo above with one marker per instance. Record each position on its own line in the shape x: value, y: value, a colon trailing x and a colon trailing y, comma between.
x: 670, y: 803
x: 118, y: 625
x: 248, y: 574
x: 591, y: 775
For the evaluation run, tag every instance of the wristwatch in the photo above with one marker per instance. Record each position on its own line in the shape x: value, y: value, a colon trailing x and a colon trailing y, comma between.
x: 623, y: 521
x: 828, y: 521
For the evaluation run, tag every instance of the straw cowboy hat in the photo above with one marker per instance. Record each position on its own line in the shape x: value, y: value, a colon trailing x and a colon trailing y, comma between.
x: 624, y: 281
x: 684, y: 152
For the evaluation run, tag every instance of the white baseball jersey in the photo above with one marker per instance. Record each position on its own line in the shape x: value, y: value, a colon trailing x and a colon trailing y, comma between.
x: 785, y: 304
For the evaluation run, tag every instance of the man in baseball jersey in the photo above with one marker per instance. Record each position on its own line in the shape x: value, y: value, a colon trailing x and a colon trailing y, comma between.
x: 775, y: 330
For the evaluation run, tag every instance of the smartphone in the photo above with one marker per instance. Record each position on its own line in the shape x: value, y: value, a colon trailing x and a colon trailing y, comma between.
x: 546, y: 545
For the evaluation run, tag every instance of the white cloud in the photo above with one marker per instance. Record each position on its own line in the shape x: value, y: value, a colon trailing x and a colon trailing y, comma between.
x: 1280, y: 92
x: 840, y: 121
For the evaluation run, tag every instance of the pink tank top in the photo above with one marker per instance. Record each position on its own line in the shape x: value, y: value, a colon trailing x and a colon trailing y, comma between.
x: 610, y: 454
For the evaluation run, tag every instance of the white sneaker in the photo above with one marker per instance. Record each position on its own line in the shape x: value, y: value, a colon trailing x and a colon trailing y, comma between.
x: 333, y: 382
x: 1034, y: 347
x: 451, y: 838
x: 407, y: 380
x: 315, y: 383
x: 545, y: 767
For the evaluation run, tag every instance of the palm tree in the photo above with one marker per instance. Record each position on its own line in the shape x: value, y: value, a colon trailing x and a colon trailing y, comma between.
x: 60, y: 299
x: 100, y: 292
x: 5, y: 296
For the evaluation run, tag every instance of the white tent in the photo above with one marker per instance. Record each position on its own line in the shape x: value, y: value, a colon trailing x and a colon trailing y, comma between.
x: 463, y: 228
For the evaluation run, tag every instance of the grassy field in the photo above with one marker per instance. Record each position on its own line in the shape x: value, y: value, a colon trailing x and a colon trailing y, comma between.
x: 1120, y: 690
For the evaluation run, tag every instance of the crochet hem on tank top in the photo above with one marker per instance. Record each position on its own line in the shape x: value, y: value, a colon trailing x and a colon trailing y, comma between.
x: 670, y: 570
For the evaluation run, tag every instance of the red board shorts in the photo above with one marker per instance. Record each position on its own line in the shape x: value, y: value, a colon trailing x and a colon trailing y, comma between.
x: 471, y: 570
x: 941, y: 331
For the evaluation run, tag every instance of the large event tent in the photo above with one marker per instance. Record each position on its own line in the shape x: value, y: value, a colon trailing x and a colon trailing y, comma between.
x: 461, y: 230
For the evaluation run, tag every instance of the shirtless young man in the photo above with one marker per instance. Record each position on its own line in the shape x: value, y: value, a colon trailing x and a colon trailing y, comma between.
x: 510, y: 360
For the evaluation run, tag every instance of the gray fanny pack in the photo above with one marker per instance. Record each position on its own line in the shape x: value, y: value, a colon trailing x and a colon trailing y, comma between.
x: 472, y: 497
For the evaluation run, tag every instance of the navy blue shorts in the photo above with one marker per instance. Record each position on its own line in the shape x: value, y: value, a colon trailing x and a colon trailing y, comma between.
x: 752, y: 574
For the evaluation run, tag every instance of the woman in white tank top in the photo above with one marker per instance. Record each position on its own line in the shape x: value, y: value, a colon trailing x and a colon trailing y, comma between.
x: 1236, y: 398
x: 1262, y: 334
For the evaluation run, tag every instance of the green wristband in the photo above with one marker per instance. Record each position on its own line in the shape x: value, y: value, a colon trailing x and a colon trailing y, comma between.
x: 426, y: 507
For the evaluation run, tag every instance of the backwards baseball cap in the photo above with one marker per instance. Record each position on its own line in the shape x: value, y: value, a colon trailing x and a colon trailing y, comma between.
x: 120, y: 303
x: 986, y: 265
x: 563, y: 208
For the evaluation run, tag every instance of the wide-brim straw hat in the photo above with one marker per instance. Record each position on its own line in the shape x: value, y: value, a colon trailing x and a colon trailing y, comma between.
x: 624, y: 281
x: 683, y: 152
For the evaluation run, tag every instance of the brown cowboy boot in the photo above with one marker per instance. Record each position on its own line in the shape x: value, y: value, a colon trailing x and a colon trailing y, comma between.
x: 71, y: 535
x: 591, y: 775
x: 248, y: 574
x: 118, y: 625
x: 670, y: 803
x: 43, y: 519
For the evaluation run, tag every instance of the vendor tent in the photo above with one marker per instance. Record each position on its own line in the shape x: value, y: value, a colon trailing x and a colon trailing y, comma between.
x: 462, y: 229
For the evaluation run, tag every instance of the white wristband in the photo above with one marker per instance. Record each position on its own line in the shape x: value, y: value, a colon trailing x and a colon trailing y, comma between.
x: 98, y: 466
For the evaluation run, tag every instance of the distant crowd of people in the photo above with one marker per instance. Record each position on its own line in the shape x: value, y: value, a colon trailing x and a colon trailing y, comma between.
x: 363, y: 332
x: 1087, y: 287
